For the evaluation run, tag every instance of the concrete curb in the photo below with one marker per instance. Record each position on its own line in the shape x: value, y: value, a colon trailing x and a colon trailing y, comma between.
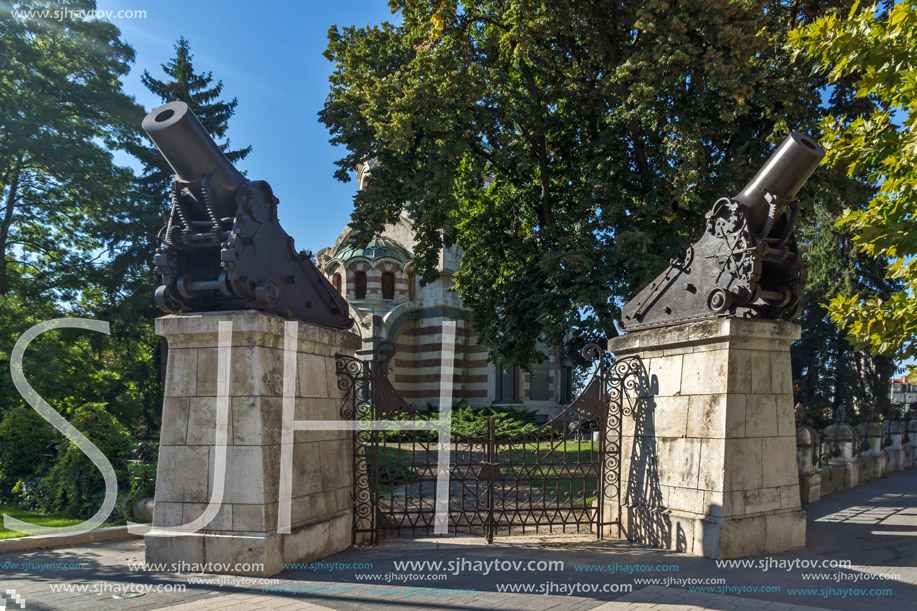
x: 24, y: 544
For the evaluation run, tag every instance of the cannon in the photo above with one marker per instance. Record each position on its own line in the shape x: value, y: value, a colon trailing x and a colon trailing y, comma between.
x: 746, y: 264
x: 223, y: 247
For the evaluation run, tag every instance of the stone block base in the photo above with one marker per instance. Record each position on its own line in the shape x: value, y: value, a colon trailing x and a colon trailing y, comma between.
x: 809, y: 487
x: 894, y: 460
x: 257, y: 555
x: 832, y: 478
x: 880, y: 470
x: 708, y: 439
x: 859, y: 472
x: 716, y: 537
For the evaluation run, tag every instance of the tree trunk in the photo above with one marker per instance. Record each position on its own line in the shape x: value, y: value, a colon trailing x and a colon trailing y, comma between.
x: 7, y: 222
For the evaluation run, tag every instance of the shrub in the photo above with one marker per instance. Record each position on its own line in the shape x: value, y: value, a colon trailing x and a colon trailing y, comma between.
x: 24, y: 437
x: 74, y: 486
x: 508, y: 422
x: 466, y: 421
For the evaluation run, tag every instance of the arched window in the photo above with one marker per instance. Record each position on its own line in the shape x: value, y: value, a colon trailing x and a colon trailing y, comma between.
x: 359, y: 281
x: 337, y: 282
x: 388, y: 285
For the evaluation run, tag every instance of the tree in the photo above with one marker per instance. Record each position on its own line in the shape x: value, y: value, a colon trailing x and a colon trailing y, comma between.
x: 877, y: 49
x: 62, y: 112
x: 130, y: 270
x: 569, y: 148
x: 827, y: 369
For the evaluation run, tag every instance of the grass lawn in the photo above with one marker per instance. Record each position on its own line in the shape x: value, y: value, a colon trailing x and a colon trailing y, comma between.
x: 35, y: 518
x: 565, y: 471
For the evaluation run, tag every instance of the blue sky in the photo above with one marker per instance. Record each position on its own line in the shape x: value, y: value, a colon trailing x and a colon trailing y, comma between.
x: 269, y: 56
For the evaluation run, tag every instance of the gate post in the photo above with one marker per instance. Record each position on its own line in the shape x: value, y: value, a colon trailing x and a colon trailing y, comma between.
x: 245, y: 529
x: 493, y: 469
x: 709, y: 454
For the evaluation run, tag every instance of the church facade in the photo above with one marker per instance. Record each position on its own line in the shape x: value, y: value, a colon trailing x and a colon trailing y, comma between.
x: 388, y: 303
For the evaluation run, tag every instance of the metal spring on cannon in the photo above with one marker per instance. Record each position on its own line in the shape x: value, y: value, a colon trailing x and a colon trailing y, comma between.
x: 179, y: 210
x: 205, y: 190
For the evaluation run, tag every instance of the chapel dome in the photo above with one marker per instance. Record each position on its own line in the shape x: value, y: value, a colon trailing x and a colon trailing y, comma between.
x: 378, y: 248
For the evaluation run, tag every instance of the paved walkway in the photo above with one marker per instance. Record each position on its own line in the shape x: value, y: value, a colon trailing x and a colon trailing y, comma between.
x: 873, y: 527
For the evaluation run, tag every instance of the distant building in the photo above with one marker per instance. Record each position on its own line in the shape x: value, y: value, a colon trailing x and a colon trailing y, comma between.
x: 388, y: 304
x: 901, y: 392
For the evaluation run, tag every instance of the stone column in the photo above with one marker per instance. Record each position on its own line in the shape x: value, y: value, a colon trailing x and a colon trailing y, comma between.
x: 872, y: 433
x: 910, y: 447
x: 709, y: 455
x: 245, y: 529
x: 894, y: 452
x: 807, y: 451
x: 845, y: 468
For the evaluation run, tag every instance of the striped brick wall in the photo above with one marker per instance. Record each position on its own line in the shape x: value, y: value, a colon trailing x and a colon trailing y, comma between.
x: 416, y: 372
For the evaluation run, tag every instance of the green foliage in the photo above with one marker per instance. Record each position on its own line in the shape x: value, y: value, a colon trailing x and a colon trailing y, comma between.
x: 827, y: 369
x: 508, y: 422
x: 60, y: 79
x: 202, y: 95
x: 24, y: 437
x: 876, y: 49
x: 77, y: 232
x: 467, y: 421
x: 569, y: 148
x: 74, y: 486
x: 63, y: 202
x: 143, y: 475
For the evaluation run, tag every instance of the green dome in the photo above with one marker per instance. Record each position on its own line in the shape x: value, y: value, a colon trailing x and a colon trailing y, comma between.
x: 378, y: 248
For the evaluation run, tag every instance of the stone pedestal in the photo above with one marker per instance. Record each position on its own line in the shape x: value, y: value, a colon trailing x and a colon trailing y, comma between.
x: 874, y: 435
x: 894, y: 453
x: 840, y: 447
x: 910, y: 444
x: 244, y: 534
x: 709, y: 455
x: 807, y: 449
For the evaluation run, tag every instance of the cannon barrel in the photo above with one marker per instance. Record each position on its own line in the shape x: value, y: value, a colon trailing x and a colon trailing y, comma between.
x: 193, y: 154
x: 782, y: 175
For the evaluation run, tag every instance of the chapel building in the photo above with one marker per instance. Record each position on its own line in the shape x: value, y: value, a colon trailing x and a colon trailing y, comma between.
x: 388, y: 303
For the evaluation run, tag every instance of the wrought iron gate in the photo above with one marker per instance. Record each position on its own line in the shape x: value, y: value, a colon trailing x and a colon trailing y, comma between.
x: 561, y: 477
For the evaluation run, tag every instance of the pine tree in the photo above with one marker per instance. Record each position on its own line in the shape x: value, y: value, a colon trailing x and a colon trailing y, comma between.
x: 202, y: 95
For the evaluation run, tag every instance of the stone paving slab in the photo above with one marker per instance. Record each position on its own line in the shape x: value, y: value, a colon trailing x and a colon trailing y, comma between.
x: 874, y: 527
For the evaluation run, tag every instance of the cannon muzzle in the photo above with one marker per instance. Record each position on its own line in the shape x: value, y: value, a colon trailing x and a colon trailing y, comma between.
x: 782, y: 175
x: 193, y: 154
